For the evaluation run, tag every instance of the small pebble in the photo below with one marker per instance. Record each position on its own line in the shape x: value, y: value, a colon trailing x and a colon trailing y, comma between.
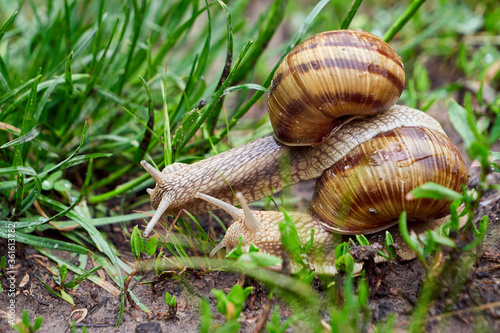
x: 394, y: 291
x: 151, y: 327
x: 482, y: 274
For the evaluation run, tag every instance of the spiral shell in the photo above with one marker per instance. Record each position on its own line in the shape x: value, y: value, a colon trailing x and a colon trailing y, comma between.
x: 329, y: 79
x: 365, y: 191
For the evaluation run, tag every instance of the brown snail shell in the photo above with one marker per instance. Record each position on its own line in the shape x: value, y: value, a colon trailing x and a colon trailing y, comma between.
x: 365, y: 191
x: 329, y: 79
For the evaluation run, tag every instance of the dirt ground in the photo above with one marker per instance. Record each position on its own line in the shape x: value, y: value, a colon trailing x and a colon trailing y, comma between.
x: 477, y: 305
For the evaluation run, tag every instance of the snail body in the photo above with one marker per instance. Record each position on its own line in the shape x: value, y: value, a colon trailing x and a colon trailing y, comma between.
x: 264, y: 233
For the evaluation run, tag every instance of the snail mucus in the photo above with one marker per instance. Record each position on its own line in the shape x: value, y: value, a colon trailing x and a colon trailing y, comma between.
x: 332, y: 107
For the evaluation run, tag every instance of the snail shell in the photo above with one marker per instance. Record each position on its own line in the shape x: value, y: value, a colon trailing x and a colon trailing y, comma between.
x: 329, y: 79
x: 365, y: 191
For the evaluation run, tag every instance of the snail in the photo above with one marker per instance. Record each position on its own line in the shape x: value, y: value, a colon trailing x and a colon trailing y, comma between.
x: 351, y: 142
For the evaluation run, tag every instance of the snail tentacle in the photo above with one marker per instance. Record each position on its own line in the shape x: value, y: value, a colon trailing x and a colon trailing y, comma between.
x: 157, y: 175
x: 162, y: 208
x: 251, y: 221
x: 231, y: 210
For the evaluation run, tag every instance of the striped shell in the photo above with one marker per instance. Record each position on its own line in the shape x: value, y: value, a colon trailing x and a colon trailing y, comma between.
x: 328, y: 79
x: 365, y: 191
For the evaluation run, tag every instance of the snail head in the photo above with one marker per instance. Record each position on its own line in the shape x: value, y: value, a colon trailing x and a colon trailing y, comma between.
x: 251, y: 226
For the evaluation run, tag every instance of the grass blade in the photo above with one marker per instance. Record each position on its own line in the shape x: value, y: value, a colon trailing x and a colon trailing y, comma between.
x: 25, y: 138
x: 225, y: 71
x: 76, y: 281
x: 138, y: 21
x: 42, y: 241
x: 67, y: 30
x: 400, y: 22
x: 266, y: 29
x: 193, y: 122
x: 21, y: 149
x: 96, y: 72
x: 7, y: 24
x: 15, y: 170
x: 4, y: 74
x: 350, y: 15
x: 68, y: 76
x: 43, y: 101
x: 173, y: 38
x: 94, y: 234
x: 143, y: 146
x: 6, y: 97
x: 97, y: 280
x: 167, y: 143
x: 63, y: 295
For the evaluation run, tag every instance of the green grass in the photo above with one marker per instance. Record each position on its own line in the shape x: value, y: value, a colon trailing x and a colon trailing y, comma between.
x: 90, y: 88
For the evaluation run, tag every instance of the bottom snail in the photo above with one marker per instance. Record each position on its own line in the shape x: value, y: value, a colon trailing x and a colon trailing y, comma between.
x: 260, y: 228
x: 363, y: 193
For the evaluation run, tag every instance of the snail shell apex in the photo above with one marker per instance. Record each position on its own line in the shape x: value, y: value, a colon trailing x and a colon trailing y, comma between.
x: 365, y: 191
x: 329, y: 79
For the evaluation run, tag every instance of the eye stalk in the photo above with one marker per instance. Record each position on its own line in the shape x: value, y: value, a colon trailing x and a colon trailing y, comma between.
x: 157, y: 175
x: 242, y: 216
x: 165, y: 201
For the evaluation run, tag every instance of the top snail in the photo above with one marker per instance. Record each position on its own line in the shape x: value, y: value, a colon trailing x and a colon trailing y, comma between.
x: 328, y: 80
x: 264, y: 165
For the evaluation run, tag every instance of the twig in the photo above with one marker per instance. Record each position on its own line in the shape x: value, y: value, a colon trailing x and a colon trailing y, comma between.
x: 264, y: 316
x: 475, y: 308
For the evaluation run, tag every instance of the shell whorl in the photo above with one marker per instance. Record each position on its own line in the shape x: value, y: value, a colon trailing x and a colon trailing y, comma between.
x: 366, y: 190
x: 330, y: 78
